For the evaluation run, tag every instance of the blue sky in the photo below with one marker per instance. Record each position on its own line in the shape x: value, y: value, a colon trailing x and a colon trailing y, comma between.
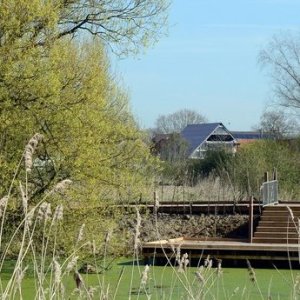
x: 208, y: 61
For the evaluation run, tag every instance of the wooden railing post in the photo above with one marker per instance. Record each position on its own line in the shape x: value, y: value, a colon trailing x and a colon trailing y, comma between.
x: 250, y: 225
x: 155, y: 203
x: 266, y: 176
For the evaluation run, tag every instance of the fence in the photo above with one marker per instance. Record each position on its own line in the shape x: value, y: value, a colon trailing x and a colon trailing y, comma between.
x: 269, y: 192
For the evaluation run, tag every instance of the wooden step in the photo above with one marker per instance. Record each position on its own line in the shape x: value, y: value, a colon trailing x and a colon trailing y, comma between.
x: 277, y: 218
x: 275, y: 223
x: 274, y: 240
x: 281, y: 213
x: 281, y: 208
x: 279, y: 235
x: 276, y: 229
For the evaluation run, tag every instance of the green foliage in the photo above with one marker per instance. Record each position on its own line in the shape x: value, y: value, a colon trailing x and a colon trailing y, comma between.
x: 213, y: 163
x: 89, y: 132
x: 127, y: 26
x: 64, y: 89
x: 172, y: 150
x: 253, y: 160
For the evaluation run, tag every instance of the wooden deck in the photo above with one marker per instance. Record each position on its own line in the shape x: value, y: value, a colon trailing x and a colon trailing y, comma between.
x: 221, y: 249
x: 277, y: 237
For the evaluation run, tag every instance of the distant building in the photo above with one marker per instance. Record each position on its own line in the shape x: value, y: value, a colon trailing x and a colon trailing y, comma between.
x: 246, y: 137
x: 196, y: 139
x: 208, y: 136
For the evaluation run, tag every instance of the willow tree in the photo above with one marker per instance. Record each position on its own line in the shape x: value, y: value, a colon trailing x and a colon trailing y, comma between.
x: 57, y: 81
x: 90, y: 134
x: 62, y: 87
x: 126, y: 26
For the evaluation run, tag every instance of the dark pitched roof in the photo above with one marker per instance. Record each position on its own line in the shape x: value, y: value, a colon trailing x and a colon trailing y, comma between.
x: 249, y: 135
x: 196, y: 134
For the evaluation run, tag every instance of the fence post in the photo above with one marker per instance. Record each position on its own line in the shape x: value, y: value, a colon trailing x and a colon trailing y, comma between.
x: 266, y: 176
x: 156, y: 203
x: 250, y: 225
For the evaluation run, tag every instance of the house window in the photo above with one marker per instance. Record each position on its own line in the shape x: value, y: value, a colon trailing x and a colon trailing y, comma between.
x: 220, y: 138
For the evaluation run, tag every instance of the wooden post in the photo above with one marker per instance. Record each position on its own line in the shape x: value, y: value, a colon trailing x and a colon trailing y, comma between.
x: 250, y: 224
x: 156, y: 203
x: 191, y: 207
x: 266, y: 176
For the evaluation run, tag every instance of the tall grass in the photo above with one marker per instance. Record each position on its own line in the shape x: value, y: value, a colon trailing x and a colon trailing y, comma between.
x: 207, y: 189
x: 35, y: 241
x: 38, y: 250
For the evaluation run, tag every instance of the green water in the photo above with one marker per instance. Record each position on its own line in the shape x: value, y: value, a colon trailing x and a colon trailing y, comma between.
x: 167, y: 283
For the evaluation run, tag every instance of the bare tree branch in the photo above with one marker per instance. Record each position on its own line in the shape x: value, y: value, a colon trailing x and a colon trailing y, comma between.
x: 176, y: 122
x: 282, y: 57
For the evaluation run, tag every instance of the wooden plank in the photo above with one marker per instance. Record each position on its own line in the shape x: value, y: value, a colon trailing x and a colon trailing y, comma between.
x: 285, y: 229
x: 226, y: 256
x: 223, y: 245
x: 250, y: 222
x: 279, y: 235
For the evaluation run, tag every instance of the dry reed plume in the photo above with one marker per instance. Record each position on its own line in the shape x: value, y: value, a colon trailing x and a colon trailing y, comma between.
x: 30, y: 149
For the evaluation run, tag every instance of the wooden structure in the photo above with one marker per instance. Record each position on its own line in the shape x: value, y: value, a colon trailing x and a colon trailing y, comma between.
x: 220, y: 249
x: 279, y: 224
x: 275, y: 238
x: 198, y: 207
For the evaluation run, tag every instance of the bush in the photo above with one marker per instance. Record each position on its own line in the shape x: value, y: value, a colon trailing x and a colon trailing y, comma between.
x: 247, y: 168
x: 213, y: 164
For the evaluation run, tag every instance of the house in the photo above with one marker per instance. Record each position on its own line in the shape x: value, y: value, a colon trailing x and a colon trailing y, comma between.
x: 246, y: 137
x: 208, y: 136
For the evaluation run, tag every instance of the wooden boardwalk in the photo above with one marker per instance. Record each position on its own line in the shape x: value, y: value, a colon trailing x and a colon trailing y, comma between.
x: 221, y: 249
x: 276, y: 237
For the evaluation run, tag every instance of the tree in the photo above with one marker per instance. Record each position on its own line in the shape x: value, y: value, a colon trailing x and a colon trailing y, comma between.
x: 125, y: 25
x: 214, y: 163
x: 89, y: 133
x: 277, y: 124
x: 52, y: 84
x: 247, y: 167
x: 57, y: 82
x: 282, y: 56
x: 29, y: 30
x: 173, y: 152
x: 177, y: 121
x: 174, y: 148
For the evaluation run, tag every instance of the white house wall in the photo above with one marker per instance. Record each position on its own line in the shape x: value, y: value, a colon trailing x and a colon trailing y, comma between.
x: 216, y: 144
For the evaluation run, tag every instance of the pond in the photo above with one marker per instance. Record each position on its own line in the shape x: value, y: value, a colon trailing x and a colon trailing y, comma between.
x: 123, y: 280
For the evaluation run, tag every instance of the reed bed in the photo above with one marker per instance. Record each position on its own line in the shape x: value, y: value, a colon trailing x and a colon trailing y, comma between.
x: 56, y: 276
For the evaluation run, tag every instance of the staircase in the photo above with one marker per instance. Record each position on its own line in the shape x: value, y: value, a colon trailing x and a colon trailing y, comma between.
x: 276, y: 225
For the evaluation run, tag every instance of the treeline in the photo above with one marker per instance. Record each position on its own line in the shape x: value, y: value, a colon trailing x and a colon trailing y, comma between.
x: 245, y: 170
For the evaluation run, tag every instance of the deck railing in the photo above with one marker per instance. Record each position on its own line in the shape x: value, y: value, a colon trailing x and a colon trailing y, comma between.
x: 269, y: 192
